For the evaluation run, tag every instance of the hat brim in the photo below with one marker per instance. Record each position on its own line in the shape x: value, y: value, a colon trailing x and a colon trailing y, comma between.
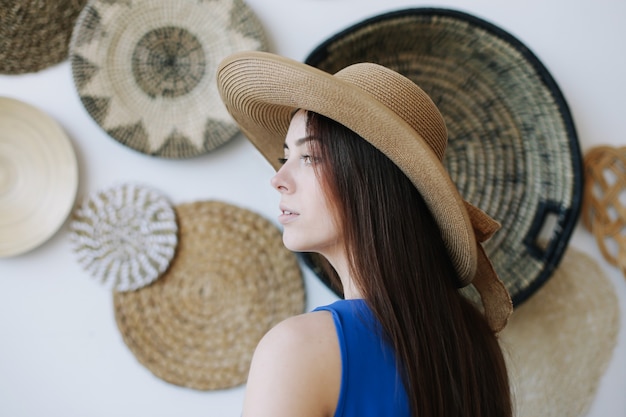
x: 263, y: 108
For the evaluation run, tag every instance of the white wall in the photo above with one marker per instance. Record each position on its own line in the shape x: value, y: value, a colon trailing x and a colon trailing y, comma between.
x: 60, y: 351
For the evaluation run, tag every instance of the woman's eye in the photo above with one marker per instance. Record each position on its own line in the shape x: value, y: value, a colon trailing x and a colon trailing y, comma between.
x: 307, y: 159
x: 282, y: 161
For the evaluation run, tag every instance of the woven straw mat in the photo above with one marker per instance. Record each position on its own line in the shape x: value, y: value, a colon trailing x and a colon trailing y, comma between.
x: 145, y: 70
x: 35, y: 34
x: 512, y: 150
x: 230, y: 282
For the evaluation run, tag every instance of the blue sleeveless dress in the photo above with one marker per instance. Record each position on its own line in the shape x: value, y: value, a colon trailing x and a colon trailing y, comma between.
x: 370, y: 383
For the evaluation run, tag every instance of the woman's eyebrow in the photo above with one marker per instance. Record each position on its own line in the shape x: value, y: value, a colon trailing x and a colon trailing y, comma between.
x: 300, y: 141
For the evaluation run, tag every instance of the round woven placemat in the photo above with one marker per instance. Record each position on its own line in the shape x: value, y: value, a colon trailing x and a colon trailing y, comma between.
x: 512, y: 151
x: 35, y: 34
x: 125, y: 236
x: 559, y: 343
x: 145, y: 71
x: 230, y: 282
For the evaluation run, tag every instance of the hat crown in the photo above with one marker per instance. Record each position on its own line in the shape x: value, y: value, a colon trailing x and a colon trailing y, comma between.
x: 403, y: 97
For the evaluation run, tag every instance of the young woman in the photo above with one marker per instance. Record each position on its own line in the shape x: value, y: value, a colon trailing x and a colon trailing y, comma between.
x: 362, y: 184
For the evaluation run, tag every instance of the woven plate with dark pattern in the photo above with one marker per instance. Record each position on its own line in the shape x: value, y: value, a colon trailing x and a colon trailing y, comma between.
x: 145, y: 71
x: 512, y: 150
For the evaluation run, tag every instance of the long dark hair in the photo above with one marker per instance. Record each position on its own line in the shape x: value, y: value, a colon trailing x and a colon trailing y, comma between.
x: 451, y: 361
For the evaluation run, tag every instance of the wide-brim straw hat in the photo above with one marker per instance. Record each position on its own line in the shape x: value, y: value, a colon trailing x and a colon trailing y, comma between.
x: 512, y: 146
x: 261, y: 91
x: 559, y: 343
x: 231, y: 281
x: 35, y: 34
x: 145, y: 70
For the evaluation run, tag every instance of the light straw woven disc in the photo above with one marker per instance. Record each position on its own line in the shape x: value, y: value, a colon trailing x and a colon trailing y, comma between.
x: 38, y: 177
x: 145, y: 70
x: 35, y: 34
x: 230, y: 282
x: 512, y: 149
x: 125, y: 236
x: 559, y: 343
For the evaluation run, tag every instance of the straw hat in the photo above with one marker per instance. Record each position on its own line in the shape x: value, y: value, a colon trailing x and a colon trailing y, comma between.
x: 125, y: 236
x: 261, y: 90
x: 231, y: 280
x: 35, y: 34
x: 512, y: 149
x: 144, y: 70
x: 38, y: 177
x: 559, y: 343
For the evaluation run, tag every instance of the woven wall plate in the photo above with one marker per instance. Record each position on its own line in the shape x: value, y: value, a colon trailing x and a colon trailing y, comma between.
x: 230, y: 282
x: 125, y: 236
x: 145, y: 70
x: 512, y: 150
x: 38, y: 177
x: 35, y: 34
x: 559, y: 343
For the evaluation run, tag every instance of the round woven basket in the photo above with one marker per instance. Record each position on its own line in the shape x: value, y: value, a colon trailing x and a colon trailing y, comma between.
x: 145, y: 71
x: 231, y: 281
x: 512, y: 150
x: 35, y: 34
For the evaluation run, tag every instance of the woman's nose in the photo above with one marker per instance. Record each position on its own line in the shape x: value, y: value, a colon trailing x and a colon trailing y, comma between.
x: 280, y: 181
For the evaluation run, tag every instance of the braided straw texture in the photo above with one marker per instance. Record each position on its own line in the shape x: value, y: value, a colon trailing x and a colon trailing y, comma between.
x: 145, y: 70
x: 124, y: 236
x: 604, y: 201
x: 230, y: 282
x: 35, y: 34
x: 559, y: 343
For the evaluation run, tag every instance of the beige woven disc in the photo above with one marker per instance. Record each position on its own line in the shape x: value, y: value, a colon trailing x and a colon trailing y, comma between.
x: 560, y: 341
x: 229, y: 283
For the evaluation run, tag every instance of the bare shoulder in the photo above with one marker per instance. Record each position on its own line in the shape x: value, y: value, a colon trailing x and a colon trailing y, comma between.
x: 296, y: 369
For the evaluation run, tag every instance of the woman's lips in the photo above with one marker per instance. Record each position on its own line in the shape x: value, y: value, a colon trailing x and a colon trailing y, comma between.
x: 287, y: 215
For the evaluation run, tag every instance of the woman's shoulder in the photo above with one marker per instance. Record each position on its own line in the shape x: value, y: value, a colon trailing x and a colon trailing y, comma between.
x: 296, y: 368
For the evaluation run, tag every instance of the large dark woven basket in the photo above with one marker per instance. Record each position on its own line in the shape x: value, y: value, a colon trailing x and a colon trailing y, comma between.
x: 513, y: 149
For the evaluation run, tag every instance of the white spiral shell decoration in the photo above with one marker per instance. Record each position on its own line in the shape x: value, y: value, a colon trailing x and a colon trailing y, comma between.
x: 125, y: 236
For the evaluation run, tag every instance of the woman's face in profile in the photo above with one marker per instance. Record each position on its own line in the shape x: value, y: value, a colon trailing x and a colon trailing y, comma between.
x: 304, y: 212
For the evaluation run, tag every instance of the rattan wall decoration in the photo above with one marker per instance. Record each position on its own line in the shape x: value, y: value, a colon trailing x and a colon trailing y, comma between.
x: 604, y: 202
